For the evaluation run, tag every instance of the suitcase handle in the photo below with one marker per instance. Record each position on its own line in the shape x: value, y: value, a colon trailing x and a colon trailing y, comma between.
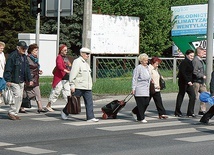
x: 128, y: 97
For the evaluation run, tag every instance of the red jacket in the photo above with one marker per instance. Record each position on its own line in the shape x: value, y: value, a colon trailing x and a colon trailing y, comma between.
x: 59, y: 73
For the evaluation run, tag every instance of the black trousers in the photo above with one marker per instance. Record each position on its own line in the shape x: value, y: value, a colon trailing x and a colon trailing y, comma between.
x: 208, y: 115
x: 183, y: 88
x: 158, y: 103
x: 142, y: 104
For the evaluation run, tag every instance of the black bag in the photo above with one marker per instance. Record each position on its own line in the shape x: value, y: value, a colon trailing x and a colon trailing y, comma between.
x: 26, y: 103
x: 73, y: 106
x: 152, y: 88
x: 162, y: 83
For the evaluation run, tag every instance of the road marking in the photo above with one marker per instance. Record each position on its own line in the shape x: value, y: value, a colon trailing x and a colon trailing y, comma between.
x: 140, y: 125
x: 83, y: 123
x: 5, y: 144
x: 30, y: 150
x: 194, y: 139
x: 45, y: 119
x: 169, y: 132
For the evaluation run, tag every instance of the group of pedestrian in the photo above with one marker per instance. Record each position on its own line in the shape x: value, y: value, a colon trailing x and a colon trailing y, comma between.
x: 21, y: 73
x: 143, y: 75
x: 191, y: 80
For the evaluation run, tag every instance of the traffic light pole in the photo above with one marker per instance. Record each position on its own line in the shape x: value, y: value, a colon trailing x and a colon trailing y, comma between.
x: 38, y: 28
x: 58, y: 27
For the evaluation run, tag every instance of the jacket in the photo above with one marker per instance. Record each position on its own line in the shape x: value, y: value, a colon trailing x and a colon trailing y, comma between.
x: 199, y: 70
x: 141, y: 81
x: 80, y: 75
x: 155, y: 77
x: 59, y: 72
x: 34, y: 70
x: 185, y: 73
x: 13, y: 67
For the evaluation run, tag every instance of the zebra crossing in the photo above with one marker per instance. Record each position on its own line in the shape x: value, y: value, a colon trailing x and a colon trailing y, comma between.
x: 170, y: 127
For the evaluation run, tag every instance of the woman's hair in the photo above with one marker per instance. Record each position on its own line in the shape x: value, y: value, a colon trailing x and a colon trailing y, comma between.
x: 61, y: 46
x: 155, y: 59
x: 31, y: 48
x: 143, y: 56
x: 189, y: 52
x: 2, y: 43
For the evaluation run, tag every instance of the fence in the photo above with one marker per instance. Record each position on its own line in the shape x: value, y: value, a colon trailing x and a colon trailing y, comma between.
x: 112, y: 67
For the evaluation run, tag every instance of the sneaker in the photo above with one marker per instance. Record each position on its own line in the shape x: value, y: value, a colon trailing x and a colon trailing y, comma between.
x: 201, y: 112
x: 144, y: 121
x: 134, y: 116
x: 12, y: 117
x: 93, y: 120
x: 63, y: 115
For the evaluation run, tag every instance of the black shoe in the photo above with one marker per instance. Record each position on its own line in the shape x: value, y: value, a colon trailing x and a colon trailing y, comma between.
x: 201, y: 112
x: 193, y: 115
x: 22, y: 111
x: 205, y: 122
x: 178, y: 115
x: 42, y: 110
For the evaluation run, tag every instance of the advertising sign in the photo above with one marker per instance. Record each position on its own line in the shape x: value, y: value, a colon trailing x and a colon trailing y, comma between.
x: 189, y: 20
x: 114, y: 34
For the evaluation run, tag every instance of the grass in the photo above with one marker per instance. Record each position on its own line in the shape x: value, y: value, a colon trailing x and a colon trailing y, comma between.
x: 106, y: 86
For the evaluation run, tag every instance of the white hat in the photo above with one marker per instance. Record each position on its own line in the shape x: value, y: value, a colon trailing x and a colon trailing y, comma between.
x: 85, y: 50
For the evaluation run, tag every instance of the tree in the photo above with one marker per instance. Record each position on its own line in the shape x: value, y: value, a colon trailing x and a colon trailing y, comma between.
x: 15, y: 18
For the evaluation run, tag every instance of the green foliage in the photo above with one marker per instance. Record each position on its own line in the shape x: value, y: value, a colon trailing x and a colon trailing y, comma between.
x: 15, y: 18
x: 155, y: 21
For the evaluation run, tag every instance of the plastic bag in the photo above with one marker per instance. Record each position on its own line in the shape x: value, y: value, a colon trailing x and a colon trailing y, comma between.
x: 206, y: 97
x: 8, y: 96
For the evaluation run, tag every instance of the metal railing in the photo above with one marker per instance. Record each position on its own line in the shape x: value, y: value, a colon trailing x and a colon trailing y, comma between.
x: 112, y: 67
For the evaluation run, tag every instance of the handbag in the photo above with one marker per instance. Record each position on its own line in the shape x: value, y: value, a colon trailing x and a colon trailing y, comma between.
x: 162, y: 83
x: 26, y: 103
x: 152, y: 88
x: 54, y: 70
x: 73, y: 106
x: 8, y: 96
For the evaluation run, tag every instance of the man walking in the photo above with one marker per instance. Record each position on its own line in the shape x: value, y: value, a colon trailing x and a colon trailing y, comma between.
x: 199, y: 77
x: 17, y: 72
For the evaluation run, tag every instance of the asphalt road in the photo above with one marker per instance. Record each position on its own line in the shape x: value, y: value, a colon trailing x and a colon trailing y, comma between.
x: 49, y: 134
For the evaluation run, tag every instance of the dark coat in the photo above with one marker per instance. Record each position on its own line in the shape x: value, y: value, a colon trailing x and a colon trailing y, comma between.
x: 185, y: 73
x: 13, y: 67
x: 34, y: 70
x: 212, y: 84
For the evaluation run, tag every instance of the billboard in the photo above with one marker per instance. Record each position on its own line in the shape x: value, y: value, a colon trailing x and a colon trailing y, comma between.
x: 189, y: 20
x: 114, y: 34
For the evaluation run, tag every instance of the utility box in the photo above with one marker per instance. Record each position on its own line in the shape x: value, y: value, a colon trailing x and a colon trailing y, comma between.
x: 47, y: 50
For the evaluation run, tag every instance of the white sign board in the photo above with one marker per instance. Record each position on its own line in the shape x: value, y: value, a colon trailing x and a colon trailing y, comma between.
x: 189, y: 20
x: 114, y: 34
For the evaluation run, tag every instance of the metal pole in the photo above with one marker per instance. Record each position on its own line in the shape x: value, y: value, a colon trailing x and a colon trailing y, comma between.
x: 87, y: 18
x: 37, y: 27
x: 174, y: 69
x: 209, y: 54
x: 58, y: 27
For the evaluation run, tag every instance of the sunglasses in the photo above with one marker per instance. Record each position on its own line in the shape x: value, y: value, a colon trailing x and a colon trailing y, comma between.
x: 87, y: 53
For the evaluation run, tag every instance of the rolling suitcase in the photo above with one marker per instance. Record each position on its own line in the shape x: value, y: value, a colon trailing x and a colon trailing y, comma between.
x: 112, y: 108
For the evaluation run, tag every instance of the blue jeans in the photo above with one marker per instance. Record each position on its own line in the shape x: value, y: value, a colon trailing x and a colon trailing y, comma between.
x: 87, y: 96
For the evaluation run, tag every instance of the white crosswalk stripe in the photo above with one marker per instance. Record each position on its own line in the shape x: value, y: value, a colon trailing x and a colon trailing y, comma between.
x: 177, y: 127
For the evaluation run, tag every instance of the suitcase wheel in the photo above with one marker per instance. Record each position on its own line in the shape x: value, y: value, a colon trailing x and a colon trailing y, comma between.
x: 105, y: 116
x: 114, y: 116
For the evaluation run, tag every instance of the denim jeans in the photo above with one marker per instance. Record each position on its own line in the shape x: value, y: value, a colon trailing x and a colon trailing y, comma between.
x: 87, y: 96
